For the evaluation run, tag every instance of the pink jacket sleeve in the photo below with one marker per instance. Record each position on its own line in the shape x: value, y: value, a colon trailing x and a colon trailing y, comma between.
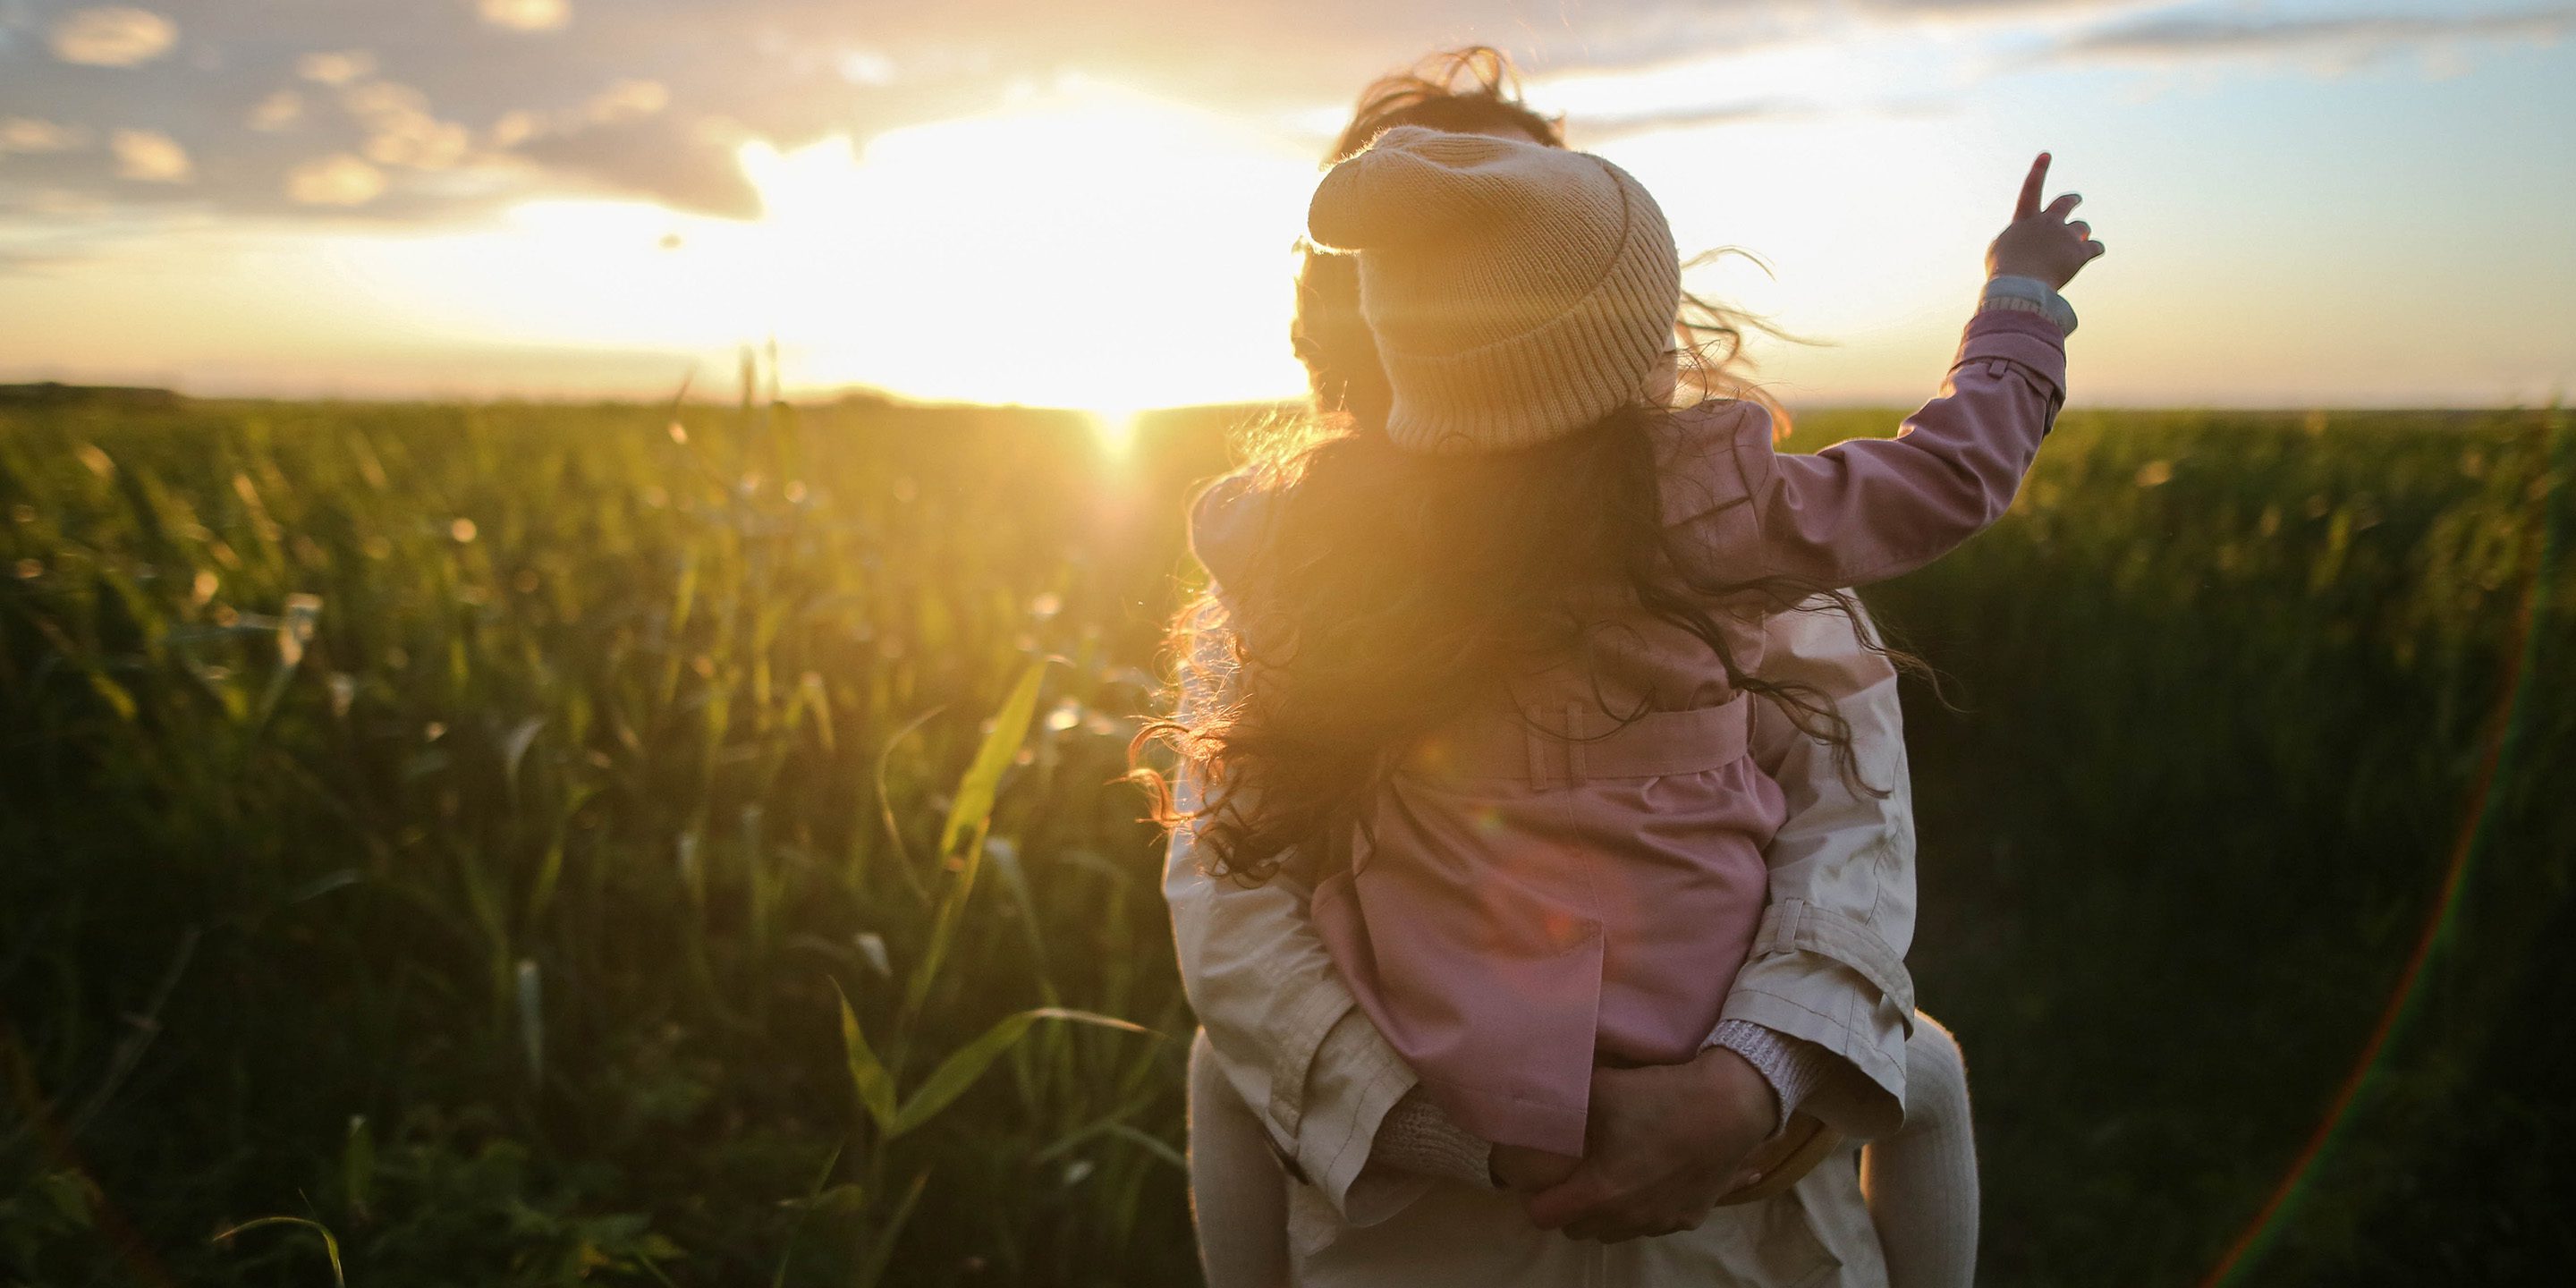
x: 1870, y: 509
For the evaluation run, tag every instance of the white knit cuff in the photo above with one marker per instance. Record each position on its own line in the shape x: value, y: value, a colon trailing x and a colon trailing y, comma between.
x: 2028, y: 295
x: 1794, y: 1067
x: 1417, y: 1136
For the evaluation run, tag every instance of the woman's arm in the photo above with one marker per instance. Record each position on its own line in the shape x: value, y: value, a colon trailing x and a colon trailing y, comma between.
x: 1285, y: 1029
x: 1823, y: 1005
x: 1828, y: 964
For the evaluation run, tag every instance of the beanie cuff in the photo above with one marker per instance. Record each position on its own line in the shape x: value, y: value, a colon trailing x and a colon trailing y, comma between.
x: 1558, y: 377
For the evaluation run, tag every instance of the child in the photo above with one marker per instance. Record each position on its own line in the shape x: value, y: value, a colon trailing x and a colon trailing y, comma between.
x: 1491, y: 657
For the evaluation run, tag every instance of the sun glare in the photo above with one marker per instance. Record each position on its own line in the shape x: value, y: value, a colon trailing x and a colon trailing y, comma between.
x: 1115, y: 427
x: 1082, y: 246
x: 1085, y: 246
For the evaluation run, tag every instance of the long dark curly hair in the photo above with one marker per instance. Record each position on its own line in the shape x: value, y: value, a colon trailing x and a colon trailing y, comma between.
x: 1395, y: 591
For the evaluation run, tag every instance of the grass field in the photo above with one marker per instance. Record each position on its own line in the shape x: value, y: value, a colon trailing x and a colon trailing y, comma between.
x: 457, y: 829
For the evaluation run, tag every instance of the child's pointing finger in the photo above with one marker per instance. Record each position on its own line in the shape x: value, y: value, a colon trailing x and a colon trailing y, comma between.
x: 2030, y: 186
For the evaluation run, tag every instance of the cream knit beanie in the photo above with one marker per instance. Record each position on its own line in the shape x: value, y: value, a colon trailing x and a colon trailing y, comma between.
x: 1517, y: 292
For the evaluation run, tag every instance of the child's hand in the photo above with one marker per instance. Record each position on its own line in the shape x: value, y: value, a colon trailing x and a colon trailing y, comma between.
x: 1527, y: 1171
x: 2040, y: 242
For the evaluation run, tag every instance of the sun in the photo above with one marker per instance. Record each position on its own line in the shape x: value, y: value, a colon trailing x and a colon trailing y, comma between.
x: 1085, y: 247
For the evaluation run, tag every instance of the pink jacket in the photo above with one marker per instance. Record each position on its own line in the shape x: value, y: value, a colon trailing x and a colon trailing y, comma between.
x: 1538, y: 888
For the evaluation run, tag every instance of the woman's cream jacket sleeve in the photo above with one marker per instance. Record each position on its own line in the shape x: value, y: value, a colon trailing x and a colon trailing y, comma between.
x: 1285, y: 1029
x: 1827, y: 964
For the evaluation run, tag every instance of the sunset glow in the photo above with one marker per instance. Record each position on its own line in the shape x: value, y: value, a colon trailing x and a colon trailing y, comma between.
x: 1117, y: 236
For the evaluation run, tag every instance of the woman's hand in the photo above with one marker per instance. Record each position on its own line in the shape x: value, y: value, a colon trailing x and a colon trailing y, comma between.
x: 2040, y: 242
x: 1525, y: 1171
x: 1664, y: 1144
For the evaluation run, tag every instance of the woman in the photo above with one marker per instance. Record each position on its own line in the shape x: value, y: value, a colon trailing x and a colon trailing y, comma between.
x: 1818, y: 1019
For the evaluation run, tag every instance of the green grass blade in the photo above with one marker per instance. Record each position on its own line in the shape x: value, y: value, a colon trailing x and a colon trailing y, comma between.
x: 330, y: 1245
x: 969, y: 815
x: 868, y: 1076
x: 973, y: 806
x: 968, y: 1063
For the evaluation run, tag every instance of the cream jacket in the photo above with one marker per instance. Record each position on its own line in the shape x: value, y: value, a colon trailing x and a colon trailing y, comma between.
x: 1827, y: 966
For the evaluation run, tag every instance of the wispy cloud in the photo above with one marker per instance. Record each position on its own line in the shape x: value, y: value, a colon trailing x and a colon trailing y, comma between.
x: 2176, y: 37
x: 149, y: 156
x: 30, y: 135
x: 279, y: 111
x: 112, y: 36
x: 1590, y: 131
x: 526, y: 15
x: 339, y: 180
x: 688, y: 164
x: 336, y: 67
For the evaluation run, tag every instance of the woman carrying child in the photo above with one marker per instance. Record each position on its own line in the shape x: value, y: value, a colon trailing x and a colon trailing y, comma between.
x: 1510, y: 743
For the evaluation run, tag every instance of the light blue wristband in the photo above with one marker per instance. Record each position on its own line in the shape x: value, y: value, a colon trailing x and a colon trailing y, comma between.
x: 2028, y: 295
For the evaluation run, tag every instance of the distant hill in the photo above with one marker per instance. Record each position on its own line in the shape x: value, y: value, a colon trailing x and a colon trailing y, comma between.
x: 54, y: 393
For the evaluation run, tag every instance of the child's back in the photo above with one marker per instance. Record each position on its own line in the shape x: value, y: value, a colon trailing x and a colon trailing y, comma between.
x: 1543, y: 884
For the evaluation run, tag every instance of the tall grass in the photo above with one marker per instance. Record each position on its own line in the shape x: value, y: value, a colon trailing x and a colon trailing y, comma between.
x: 550, y: 845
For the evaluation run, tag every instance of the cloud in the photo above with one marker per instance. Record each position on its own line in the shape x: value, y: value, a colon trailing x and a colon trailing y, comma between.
x: 149, y: 156
x: 688, y: 167
x: 1590, y: 131
x: 340, y: 68
x: 863, y: 66
x: 2178, y: 37
x: 113, y: 37
x: 526, y: 15
x: 400, y: 128
x: 29, y: 135
x: 278, y: 111
x: 628, y: 100
x: 515, y: 128
x: 340, y: 180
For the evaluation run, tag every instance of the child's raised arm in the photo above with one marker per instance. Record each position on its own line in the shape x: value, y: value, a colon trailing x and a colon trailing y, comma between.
x: 1869, y: 509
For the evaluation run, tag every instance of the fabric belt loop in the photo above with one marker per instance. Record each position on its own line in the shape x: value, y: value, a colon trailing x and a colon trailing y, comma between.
x: 1574, y: 743
x: 1780, y: 929
x: 1535, y: 740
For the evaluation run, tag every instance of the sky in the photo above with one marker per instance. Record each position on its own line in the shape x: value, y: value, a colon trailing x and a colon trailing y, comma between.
x: 2307, y: 203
